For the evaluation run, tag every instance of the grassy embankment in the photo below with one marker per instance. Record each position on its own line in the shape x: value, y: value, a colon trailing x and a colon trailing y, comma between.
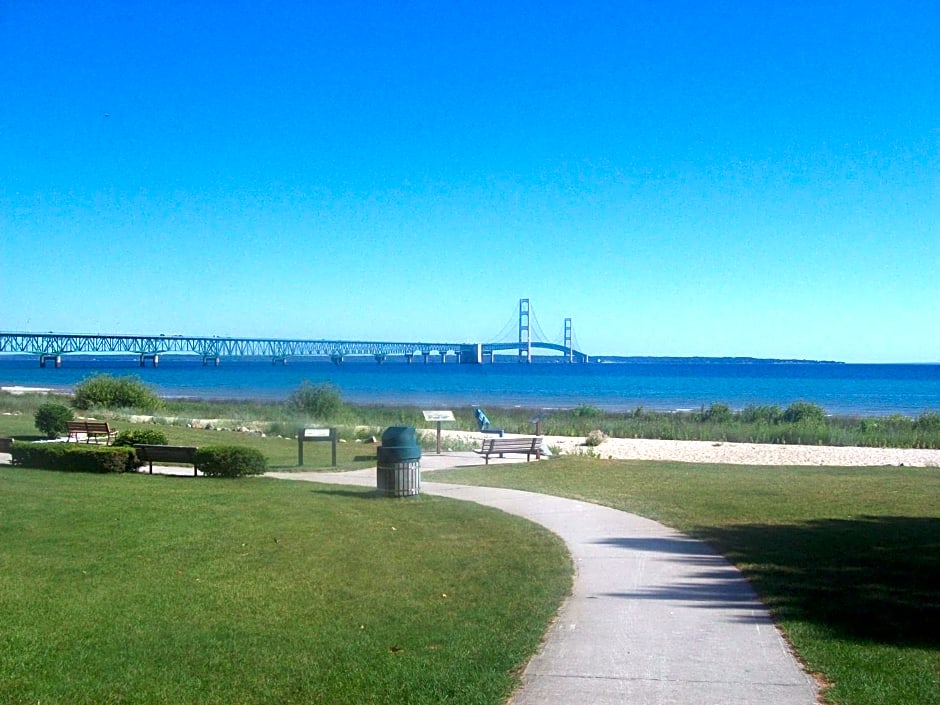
x: 848, y: 560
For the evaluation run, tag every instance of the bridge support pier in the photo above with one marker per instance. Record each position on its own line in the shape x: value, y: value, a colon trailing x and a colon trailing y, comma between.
x: 426, y: 355
x: 410, y: 358
x: 144, y: 357
x: 205, y: 360
x: 471, y: 354
x: 56, y: 359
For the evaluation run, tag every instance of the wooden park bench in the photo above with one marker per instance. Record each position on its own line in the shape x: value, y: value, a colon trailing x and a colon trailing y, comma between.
x: 167, y: 454
x: 91, y: 429
x: 528, y: 445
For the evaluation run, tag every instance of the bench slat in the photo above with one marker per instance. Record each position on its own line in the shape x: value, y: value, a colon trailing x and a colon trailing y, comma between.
x: 527, y: 445
x: 91, y: 429
x: 166, y: 454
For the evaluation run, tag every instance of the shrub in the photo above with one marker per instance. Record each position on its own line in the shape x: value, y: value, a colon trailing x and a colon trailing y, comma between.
x: 595, y: 438
x: 115, y: 393
x: 74, y: 458
x: 770, y: 414
x: 230, y: 461
x: 717, y: 413
x: 804, y: 412
x: 318, y: 401
x: 586, y: 411
x: 146, y: 436
x: 51, y: 418
x: 928, y: 421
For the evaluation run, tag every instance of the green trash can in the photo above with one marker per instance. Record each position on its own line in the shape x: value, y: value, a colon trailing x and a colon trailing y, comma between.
x: 398, y: 470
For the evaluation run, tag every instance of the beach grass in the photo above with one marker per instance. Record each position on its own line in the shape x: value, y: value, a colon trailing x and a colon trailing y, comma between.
x: 847, y: 559
x: 717, y: 422
x: 130, y: 588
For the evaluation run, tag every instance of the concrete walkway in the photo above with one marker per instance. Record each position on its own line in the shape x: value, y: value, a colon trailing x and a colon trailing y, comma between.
x: 654, y: 618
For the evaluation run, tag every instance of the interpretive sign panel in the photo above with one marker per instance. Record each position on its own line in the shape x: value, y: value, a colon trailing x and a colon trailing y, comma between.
x: 305, y: 435
x: 438, y: 415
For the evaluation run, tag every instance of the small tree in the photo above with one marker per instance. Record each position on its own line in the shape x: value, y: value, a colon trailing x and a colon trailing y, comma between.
x: 51, y: 418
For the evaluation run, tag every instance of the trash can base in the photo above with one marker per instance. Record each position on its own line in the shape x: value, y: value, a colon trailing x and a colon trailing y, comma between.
x: 399, y: 479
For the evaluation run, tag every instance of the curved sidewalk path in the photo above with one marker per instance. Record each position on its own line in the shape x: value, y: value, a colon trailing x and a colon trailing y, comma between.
x: 654, y: 617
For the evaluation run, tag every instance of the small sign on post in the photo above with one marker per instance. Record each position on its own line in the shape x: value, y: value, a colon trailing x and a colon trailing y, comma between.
x: 438, y: 416
x: 305, y: 435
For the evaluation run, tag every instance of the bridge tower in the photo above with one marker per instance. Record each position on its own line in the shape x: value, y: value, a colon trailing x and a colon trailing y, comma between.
x: 569, y: 345
x: 525, y: 333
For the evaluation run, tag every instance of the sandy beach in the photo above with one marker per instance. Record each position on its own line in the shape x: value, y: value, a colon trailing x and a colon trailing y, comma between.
x: 731, y: 453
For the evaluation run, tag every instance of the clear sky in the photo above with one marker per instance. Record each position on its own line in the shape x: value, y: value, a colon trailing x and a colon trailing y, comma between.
x: 680, y: 178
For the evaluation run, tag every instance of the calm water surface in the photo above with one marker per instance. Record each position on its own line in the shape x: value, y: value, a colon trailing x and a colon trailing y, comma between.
x: 840, y: 389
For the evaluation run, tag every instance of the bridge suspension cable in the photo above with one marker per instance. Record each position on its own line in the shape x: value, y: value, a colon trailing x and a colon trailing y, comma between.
x: 508, y: 331
x: 539, y: 334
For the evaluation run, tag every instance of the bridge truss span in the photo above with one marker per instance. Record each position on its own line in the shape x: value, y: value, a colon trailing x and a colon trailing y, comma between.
x: 52, y: 346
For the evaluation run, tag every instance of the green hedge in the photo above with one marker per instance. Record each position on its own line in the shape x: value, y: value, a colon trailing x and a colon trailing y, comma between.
x: 230, y: 461
x: 74, y: 458
x: 143, y: 436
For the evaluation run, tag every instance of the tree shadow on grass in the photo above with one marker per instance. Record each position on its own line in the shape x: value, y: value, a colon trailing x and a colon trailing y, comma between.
x: 872, y: 578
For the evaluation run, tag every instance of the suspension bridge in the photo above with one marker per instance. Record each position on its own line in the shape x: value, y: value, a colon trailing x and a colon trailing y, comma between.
x: 52, y: 347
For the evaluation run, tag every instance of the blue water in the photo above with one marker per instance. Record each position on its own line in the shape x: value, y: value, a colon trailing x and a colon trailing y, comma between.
x: 862, y: 390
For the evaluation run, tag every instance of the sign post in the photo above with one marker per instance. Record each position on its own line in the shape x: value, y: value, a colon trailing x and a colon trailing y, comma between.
x: 438, y: 416
x: 305, y: 435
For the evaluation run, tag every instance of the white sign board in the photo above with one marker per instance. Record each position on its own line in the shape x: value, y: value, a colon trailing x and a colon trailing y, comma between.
x: 438, y: 415
x: 316, y: 433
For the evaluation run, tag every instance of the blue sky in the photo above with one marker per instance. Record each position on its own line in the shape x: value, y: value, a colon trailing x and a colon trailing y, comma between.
x: 679, y: 178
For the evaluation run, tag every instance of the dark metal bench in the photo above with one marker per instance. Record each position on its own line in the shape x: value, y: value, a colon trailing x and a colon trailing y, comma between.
x: 528, y: 445
x: 91, y: 429
x: 167, y: 454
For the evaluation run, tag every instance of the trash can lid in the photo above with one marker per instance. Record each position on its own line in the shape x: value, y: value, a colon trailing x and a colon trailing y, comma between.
x: 400, y: 436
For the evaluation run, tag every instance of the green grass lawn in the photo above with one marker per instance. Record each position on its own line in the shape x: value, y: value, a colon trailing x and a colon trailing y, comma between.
x: 848, y: 560
x: 146, y: 589
x: 280, y: 452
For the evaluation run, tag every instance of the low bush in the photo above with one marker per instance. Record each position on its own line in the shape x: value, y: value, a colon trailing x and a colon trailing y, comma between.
x: 51, y: 418
x: 316, y: 401
x: 595, y: 438
x: 586, y: 411
x: 929, y: 421
x: 230, y: 461
x: 718, y: 413
x: 769, y: 414
x: 74, y: 458
x: 146, y: 436
x: 115, y: 393
x: 804, y: 412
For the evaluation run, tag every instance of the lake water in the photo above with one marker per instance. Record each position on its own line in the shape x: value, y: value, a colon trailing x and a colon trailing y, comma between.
x: 863, y: 390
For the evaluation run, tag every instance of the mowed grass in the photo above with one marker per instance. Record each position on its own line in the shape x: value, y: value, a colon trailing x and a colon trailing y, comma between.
x: 280, y: 452
x: 847, y: 559
x: 146, y: 589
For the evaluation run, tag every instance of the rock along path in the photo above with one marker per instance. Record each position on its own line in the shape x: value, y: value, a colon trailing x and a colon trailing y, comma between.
x: 654, y: 617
